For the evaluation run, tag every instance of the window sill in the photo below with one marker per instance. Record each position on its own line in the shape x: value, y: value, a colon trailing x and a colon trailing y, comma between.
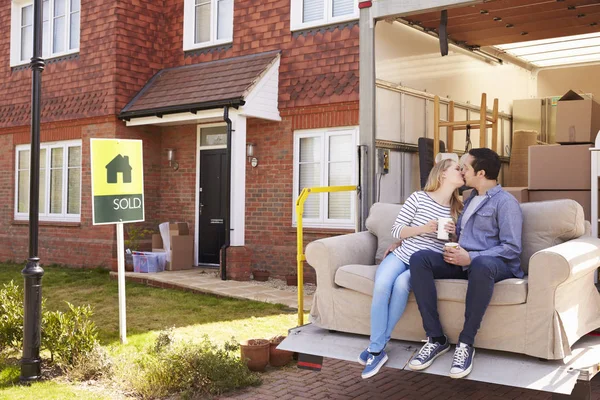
x: 323, y: 230
x: 53, y: 59
x: 322, y: 24
x: 64, y: 224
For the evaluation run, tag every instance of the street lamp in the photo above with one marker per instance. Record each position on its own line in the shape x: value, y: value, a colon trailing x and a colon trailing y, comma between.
x: 32, y: 273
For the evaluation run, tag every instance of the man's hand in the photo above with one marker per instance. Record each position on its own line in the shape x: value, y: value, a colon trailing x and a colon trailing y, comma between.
x: 457, y: 256
x: 392, y: 247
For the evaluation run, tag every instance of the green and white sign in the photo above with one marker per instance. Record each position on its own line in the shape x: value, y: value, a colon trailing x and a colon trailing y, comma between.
x: 117, y: 181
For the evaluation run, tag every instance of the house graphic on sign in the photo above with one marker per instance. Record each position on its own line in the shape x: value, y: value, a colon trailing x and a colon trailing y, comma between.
x: 119, y: 164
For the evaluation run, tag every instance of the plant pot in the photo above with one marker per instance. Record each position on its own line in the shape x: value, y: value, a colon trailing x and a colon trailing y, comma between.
x: 278, y: 358
x: 255, y: 352
x: 291, y: 279
x: 260, y: 275
x: 128, y: 262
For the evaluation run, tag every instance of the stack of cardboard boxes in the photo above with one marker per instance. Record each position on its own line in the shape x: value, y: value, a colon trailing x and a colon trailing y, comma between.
x: 180, y: 254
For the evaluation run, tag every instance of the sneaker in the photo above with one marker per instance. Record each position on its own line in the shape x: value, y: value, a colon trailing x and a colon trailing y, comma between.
x: 364, y: 357
x: 429, y: 352
x: 463, y: 361
x: 374, y: 364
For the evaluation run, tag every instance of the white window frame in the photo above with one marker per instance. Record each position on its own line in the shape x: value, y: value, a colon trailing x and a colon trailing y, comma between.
x: 189, y: 25
x: 47, y: 216
x: 328, y: 19
x: 324, y: 135
x: 15, y: 35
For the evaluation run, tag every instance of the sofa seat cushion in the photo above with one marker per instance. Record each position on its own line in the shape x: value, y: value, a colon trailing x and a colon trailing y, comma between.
x: 361, y: 278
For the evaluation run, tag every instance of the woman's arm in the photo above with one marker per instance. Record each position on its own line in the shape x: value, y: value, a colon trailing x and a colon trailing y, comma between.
x: 401, y: 228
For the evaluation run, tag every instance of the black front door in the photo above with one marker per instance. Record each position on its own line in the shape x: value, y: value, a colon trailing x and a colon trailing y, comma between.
x: 211, y: 224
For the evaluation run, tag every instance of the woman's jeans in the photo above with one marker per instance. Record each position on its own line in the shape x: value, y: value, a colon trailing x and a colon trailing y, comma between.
x: 390, y: 295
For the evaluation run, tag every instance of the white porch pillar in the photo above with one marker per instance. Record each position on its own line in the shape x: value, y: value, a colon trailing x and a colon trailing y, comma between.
x: 238, y: 179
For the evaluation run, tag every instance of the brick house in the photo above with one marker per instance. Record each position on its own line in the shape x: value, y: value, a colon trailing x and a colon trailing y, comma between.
x: 286, y: 72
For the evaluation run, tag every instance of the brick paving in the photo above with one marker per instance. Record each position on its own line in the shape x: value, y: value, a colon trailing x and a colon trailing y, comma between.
x: 340, y: 380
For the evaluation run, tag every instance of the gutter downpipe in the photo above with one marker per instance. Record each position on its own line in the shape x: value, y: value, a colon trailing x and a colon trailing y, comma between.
x: 227, y: 196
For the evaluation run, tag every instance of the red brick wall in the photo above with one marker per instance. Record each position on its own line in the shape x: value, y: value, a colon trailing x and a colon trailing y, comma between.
x: 269, y: 186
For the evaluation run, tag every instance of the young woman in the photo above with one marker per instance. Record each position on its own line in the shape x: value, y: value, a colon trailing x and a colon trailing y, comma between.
x: 417, y: 226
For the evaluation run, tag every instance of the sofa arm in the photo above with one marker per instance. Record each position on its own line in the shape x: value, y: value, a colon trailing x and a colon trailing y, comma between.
x: 564, y: 262
x: 327, y: 255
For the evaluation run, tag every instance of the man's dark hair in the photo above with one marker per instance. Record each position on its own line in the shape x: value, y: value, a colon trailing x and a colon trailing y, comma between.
x: 487, y: 160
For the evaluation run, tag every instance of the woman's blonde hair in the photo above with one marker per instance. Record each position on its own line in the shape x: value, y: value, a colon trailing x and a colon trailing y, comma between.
x: 434, y: 181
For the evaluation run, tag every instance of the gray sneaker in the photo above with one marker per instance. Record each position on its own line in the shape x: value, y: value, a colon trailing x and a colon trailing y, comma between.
x: 429, y: 352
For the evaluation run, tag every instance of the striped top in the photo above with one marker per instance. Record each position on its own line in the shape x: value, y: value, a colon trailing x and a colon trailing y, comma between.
x: 418, y: 209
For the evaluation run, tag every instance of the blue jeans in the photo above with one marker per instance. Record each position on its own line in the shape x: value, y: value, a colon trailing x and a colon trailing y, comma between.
x: 483, y: 273
x: 390, y: 295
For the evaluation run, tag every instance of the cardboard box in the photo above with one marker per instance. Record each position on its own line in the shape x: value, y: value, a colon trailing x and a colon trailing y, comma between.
x: 182, y: 246
x: 583, y: 197
x: 577, y: 118
x: 520, y: 193
x: 556, y: 167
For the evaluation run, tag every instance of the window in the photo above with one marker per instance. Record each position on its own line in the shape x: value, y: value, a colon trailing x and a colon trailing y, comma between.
x: 326, y: 158
x: 60, y: 181
x: 207, y: 23
x: 60, y: 29
x: 310, y: 13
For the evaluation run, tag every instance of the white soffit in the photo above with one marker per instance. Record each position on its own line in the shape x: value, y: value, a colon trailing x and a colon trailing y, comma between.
x: 578, y: 49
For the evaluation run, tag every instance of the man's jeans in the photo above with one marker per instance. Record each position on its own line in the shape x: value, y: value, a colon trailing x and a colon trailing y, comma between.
x: 484, y: 271
x: 390, y: 295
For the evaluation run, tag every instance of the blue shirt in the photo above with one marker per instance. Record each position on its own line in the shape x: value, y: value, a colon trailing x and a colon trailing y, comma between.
x: 494, y: 229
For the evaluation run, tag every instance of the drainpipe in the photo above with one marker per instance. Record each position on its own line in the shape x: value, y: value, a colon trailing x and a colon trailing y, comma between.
x: 227, y: 197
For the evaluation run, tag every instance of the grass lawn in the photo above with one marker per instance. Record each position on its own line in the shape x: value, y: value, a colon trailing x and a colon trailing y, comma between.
x: 149, y: 310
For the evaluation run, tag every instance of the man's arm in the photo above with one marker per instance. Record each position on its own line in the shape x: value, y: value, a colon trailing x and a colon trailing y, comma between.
x: 510, y: 224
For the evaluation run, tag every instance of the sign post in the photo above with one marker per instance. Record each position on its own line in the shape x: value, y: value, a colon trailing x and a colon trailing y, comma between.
x: 118, y: 197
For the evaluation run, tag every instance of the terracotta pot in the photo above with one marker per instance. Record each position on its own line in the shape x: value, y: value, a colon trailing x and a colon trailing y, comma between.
x: 255, y: 352
x: 278, y: 358
x: 291, y: 280
x: 260, y: 275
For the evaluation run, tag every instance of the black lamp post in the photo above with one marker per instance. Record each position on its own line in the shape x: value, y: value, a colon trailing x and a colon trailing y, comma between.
x: 31, y: 363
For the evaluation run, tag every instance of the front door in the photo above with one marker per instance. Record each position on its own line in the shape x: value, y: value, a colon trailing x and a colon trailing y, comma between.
x: 211, y: 221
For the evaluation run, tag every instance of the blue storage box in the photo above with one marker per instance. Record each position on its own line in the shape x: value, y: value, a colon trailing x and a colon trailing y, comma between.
x: 147, y: 262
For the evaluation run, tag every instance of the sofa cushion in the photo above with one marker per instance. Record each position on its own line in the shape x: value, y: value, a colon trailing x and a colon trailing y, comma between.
x: 361, y: 278
x: 548, y: 223
x: 381, y: 218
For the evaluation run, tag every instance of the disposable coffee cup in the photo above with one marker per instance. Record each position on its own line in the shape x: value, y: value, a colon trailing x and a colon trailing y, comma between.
x: 442, y: 234
x: 451, y: 245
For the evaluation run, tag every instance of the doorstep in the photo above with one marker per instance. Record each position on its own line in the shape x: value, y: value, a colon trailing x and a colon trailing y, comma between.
x: 201, y: 280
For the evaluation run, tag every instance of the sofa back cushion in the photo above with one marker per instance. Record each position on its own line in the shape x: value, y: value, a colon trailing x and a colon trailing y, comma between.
x: 381, y: 218
x: 548, y: 223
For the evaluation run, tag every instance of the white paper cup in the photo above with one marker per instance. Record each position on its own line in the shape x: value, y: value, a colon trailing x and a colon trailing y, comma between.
x: 442, y: 233
x: 452, y: 245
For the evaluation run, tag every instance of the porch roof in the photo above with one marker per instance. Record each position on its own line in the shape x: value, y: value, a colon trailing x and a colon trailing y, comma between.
x: 202, y: 86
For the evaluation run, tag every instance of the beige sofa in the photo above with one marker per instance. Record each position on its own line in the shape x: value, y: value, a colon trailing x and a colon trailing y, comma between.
x: 541, y: 315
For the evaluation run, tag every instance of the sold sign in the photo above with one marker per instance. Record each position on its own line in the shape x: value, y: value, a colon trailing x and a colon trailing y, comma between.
x: 117, y: 181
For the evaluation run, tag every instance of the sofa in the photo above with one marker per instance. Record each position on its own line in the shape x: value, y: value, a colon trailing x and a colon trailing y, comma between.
x: 541, y: 315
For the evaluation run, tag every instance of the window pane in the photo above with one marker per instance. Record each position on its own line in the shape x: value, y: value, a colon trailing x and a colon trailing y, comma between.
x: 73, y: 190
x: 42, y: 181
x: 57, y: 158
x: 59, y: 8
x: 340, y: 148
x: 202, y: 25
x: 310, y: 149
x: 46, y: 42
x: 58, y: 42
x: 310, y: 177
x: 23, y: 192
x: 312, y: 10
x: 74, y: 33
x: 56, y: 188
x: 74, y: 156
x: 214, y: 136
x: 75, y: 5
x: 225, y: 19
x: 343, y: 7
x: 340, y: 173
x: 24, y: 159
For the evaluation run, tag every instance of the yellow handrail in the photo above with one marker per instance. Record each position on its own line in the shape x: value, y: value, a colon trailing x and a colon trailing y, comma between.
x: 300, y: 254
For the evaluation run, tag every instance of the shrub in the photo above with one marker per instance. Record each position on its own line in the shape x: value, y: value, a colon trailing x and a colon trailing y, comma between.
x: 11, y: 317
x: 190, y: 370
x: 94, y: 365
x: 70, y: 335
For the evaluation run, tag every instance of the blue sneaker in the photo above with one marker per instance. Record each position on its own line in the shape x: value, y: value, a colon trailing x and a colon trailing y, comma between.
x: 429, y: 352
x: 462, y: 364
x: 374, y: 364
x: 364, y: 357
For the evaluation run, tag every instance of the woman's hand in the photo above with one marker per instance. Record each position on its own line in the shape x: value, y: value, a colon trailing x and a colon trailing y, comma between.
x: 450, y: 227
x: 392, y: 247
x: 430, y: 227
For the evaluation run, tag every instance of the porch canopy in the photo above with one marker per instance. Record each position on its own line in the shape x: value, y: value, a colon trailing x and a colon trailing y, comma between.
x: 197, y: 93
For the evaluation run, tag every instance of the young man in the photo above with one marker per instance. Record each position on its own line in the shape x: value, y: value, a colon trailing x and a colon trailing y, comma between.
x: 489, y: 237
